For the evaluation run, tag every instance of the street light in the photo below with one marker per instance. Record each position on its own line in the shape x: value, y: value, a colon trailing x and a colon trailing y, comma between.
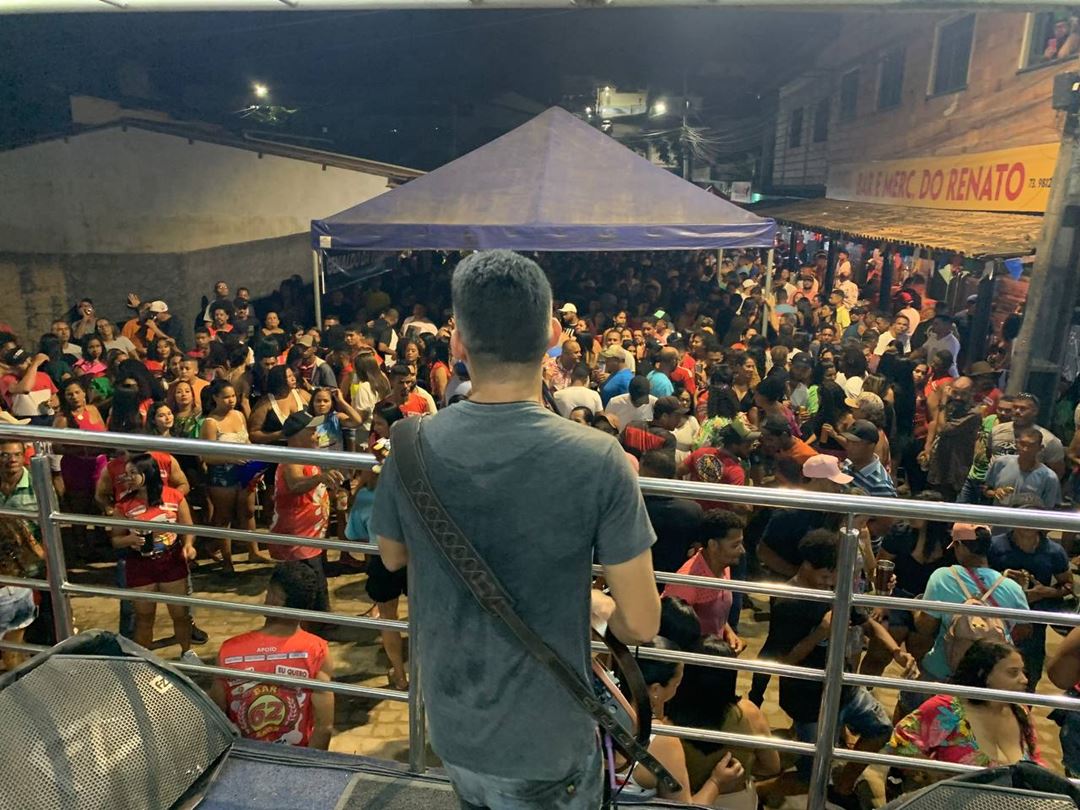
x: 260, y: 90
x: 659, y: 108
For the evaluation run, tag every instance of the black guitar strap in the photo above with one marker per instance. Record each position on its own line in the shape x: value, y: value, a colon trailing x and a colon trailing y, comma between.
x: 480, y: 581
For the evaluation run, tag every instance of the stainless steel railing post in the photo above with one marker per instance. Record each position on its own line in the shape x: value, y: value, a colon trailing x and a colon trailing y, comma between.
x: 41, y: 477
x: 417, y: 720
x: 828, y: 715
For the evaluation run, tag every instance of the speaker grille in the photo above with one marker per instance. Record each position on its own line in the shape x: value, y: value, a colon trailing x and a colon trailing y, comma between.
x: 86, y: 732
x: 959, y: 796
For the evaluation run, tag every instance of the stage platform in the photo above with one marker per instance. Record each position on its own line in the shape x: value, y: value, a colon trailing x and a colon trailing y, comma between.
x: 259, y: 775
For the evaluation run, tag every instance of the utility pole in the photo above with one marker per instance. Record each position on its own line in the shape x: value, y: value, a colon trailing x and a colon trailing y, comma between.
x: 1051, y: 299
x: 683, y: 134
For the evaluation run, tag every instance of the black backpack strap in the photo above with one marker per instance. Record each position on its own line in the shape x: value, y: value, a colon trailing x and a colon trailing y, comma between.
x: 477, y: 577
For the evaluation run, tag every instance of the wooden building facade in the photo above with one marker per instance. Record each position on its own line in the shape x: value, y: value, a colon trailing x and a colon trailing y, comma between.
x: 891, y: 86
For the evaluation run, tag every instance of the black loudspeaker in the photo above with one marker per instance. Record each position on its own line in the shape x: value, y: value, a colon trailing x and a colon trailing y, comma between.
x: 98, y: 723
x: 1065, y: 96
x: 1018, y: 787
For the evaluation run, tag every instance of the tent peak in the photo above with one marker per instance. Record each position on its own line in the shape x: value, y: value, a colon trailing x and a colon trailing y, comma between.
x: 555, y: 183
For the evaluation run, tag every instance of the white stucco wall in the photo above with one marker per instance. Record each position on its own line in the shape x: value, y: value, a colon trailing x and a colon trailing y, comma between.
x: 138, y: 192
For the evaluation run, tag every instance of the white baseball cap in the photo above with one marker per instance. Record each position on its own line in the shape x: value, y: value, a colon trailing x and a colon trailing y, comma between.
x: 568, y: 308
x: 158, y: 306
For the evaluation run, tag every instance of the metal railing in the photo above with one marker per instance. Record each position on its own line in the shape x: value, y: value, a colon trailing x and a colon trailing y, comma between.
x: 49, y: 516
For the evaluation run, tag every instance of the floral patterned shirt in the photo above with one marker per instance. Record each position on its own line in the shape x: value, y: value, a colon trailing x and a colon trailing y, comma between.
x: 939, y: 730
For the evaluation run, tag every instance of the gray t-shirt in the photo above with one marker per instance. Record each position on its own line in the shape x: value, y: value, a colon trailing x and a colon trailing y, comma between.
x: 1003, y: 443
x: 539, y: 497
x: 1041, y: 482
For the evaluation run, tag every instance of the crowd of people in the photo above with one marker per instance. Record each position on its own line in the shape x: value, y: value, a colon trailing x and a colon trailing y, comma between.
x: 702, y: 373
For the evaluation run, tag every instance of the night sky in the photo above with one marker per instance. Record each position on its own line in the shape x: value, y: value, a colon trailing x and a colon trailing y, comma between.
x: 355, y: 77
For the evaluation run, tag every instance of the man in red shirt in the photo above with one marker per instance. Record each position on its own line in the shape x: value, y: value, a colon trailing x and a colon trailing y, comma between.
x: 269, y: 712
x: 722, y: 462
x: 722, y: 534
x: 302, y: 503
x: 402, y: 393
x: 987, y: 393
x: 28, y: 392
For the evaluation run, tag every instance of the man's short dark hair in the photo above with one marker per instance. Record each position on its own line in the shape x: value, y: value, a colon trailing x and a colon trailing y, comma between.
x: 718, y: 522
x: 790, y: 469
x: 1025, y: 397
x: 299, y: 584
x: 502, y: 307
x: 657, y: 464
x: 264, y: 348
x: 400, y: 370
x: 203, y: 329
x: 580, y: 372
x: 818, y: 549
x: 776, y: 425
x: 1028, y: 433
x: 980, y: 546
x: 774, y: 386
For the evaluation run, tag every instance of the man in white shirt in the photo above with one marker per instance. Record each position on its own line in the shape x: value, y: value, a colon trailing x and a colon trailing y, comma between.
x: 844, y: 283
x: 634, y: 406
x: 898, y: 331
x: 843, y: 264
x: 578, y: 394
x: 419, y: 321
x: 62, y: 330
x: 942, y: 339
x: 908, y: 311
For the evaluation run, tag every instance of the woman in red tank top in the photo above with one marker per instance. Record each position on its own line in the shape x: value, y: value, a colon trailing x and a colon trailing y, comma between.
x: 80, y: 467
x: 158, y: 557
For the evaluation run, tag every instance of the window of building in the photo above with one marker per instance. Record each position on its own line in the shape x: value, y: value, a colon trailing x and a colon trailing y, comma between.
x: 952, y: 55
x: 1052, y: 37
x: 891, y: 81
x: 795, y: 129
x: 821, y: 121
x: 849, y: 94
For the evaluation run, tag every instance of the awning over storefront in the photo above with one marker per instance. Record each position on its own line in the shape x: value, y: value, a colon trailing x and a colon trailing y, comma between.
x: 978, y: 234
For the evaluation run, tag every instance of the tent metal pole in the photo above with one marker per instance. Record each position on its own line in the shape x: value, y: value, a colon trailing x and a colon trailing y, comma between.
x: 768, y: 288
x: 719, y: 262
x: 316, y: 285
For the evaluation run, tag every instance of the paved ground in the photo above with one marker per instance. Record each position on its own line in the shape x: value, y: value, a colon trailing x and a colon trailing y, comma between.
x: 380, y: 728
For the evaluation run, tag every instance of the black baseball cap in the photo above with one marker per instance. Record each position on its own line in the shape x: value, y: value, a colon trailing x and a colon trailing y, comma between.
x: 299, y: 421
x: 862, y: 430
x: 14, y: 356
x: 776, y: 424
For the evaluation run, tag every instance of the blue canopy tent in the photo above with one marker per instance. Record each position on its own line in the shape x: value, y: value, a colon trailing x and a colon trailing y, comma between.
x: 553, y: 184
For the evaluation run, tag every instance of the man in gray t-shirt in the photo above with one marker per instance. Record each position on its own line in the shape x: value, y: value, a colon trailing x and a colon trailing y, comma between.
x: 1003, y: 435
x: 539, y: 497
